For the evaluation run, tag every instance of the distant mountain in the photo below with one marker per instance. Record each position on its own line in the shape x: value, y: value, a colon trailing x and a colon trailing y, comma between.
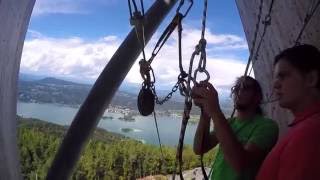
x: 55, y: 81
x: 29, y: 77
x: 52, y: 90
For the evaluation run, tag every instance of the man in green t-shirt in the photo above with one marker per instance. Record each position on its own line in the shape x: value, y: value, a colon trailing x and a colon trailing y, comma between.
x: 244, y: 140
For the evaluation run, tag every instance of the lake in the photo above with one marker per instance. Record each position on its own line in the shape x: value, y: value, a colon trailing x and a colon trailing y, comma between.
x: 143, y: 128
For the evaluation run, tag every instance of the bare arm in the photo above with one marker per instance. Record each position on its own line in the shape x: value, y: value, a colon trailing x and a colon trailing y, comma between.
x: 204, y: 140
x: 237, y: 155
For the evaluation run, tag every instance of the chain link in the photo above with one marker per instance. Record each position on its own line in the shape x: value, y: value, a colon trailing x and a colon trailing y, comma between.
x: 181, y: 78
x: 167, y: 97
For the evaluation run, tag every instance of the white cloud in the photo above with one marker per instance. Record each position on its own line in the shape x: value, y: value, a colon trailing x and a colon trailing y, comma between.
x: 223, y: 68
x: 75, y: 57
x: 56, y: 6
x: 66, y: 6
x: 215, y: 41
x: 72, y: 57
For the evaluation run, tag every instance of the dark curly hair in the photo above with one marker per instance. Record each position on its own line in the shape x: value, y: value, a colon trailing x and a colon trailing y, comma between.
x: 247, y: 82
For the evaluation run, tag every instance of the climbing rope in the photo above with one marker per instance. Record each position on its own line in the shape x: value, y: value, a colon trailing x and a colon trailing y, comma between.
x: 158, y: 134
x: 255, y: 36
x: 176, y: 22
x: 255, y: 53
x: 137, y: 20
x: 147, y: 95
x: 266, y: 23
x: 308, y: 17
x: 181, y: 83
x: 253, y: 45
x: 313, y: 7
x: 200, y: 50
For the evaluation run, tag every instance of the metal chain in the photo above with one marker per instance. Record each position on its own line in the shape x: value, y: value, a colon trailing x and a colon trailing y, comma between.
x: 145, y: 67
x: 177, y: 21
x: 185, y: 118
x: 167, y: 97
x: 199, y: 49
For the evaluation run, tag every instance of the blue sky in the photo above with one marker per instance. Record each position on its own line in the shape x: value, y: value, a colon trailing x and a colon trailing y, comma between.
x: 76, y: 38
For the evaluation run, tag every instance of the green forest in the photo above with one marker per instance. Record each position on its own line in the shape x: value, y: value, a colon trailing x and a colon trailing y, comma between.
x: 107, y: 155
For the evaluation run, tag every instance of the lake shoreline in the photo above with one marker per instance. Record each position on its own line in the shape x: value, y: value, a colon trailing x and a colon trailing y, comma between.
x: 141, y: 128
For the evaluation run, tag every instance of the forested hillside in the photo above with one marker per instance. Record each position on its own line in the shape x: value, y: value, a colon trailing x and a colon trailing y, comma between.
x: 107, y: 155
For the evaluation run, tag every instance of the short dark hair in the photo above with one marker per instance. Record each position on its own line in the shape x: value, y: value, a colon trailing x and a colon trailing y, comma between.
x: 246, y: 82
x: 305, y: 58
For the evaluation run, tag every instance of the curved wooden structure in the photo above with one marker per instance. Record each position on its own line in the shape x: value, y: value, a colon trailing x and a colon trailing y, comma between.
x: 14, y: 20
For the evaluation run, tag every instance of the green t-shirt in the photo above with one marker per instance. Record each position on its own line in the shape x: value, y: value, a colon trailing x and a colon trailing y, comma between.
x: 260, y: 131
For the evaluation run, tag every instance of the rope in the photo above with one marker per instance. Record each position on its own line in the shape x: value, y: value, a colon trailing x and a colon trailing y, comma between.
x: 203, y: 68
x: 136, y: 19
x: 142, y: 7
x: 266, y: 22
x: 255, y: 36
x: 158, y: 134
x: 145, y: 67
x: 165, y: 35
x: 306, y: 20
x: 176, y: 22
x: 308, y: 17
x: 200, y: 49
x: 186, y: 113
x: 204, y: 17
x: 313, y: 7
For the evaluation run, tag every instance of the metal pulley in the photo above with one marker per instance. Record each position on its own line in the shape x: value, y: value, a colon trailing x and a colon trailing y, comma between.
x: 146, y: 97
x: 145, y: 101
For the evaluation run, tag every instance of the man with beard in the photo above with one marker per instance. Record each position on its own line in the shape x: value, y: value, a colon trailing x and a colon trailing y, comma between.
x: 297, y: 84
x: 244, y: 140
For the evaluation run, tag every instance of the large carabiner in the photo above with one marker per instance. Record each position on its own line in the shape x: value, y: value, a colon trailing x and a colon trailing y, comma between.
x: 188, y: 9
x: 201, y: 47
